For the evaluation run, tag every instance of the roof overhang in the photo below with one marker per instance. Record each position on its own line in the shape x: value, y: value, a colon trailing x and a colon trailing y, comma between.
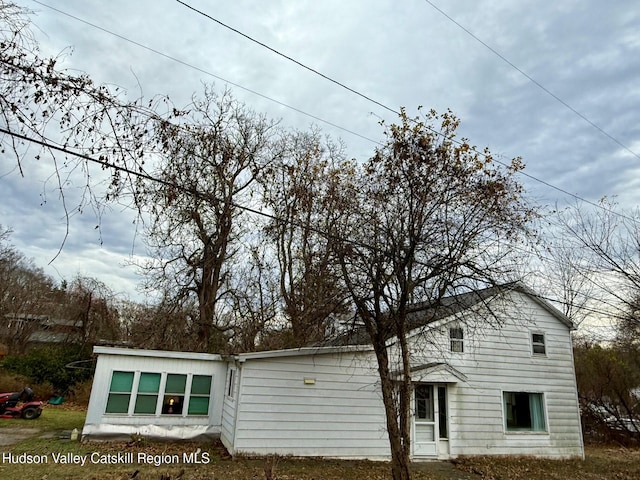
x: 434, y: 373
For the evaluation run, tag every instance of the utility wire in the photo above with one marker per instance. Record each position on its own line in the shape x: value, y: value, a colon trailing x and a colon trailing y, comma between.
x: 533, y: 80
x: 208, y: 73
x: 300, y: 64
x: 169, y: 57
x: 453, y: 140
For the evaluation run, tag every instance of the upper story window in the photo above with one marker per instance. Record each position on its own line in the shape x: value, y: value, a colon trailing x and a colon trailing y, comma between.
x: 456, y: 339
x: 538, y: 344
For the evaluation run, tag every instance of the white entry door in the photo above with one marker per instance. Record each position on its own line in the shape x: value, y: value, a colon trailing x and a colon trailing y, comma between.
x: 425, y: 426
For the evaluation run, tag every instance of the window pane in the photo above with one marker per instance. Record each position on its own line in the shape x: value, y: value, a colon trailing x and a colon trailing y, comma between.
x: 424, y: 402
x: 118, y: 403
x: 201, y: 384
x: 442, y: 412
x: 149, y: 382
x: 230, y: 384
x: 146, y: 404
x: 524, y: 411
x: 199, y: 406
x: 175, y: 383
x: 172, y: 405
x: 456, y: 333
x: 536, y: 411
x: 121, y: 382
x: 539, y: 349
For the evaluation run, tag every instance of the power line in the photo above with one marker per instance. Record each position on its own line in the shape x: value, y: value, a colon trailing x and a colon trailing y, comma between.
x: 453, y: 140
x: 208, y: 73
x: 300, y: 64
x: 457, y: 142
x: 533, y: 80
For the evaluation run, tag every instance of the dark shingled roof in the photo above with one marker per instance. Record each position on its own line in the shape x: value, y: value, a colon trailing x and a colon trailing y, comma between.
x: 422, y: 314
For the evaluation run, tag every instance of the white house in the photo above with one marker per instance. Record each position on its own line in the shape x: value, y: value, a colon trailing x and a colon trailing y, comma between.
x: 481, y: 387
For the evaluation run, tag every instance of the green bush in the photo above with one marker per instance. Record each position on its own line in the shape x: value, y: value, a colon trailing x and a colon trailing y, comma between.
x: 49, y: 365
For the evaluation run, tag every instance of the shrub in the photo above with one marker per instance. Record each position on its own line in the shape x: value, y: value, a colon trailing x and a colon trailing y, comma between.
x: 49, y: 365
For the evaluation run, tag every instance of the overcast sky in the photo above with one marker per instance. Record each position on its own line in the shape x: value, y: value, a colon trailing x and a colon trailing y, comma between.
x: 584, y: 53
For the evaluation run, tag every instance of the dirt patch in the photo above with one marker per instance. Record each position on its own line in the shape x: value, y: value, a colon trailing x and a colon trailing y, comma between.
x: 10, y: 436
x: 443, y: 470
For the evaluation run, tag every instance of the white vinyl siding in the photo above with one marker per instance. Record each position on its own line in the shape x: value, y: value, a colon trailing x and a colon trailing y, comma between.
x: 499, y: 359
x: 171, y: 367
x: 340, y: 414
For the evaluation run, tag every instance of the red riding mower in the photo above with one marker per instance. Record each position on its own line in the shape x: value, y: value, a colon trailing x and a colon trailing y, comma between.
x: 28, y: 409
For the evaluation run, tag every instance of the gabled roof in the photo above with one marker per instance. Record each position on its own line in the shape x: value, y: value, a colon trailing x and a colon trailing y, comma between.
x: 422, y: 315
x: 436, y: 372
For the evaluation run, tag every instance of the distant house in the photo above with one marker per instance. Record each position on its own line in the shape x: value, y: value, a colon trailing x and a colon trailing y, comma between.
x: 503, y: 387
x: 34, y: 330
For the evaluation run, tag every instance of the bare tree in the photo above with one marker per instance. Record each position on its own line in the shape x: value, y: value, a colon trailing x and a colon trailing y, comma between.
x: 25, y: 295
x: 89, y: 135
x: 161, y: 326
x: 91, y: 307
x: 207, y: 168
x: 427, y: 217
x: 301, y: 192
x: 605, y: 261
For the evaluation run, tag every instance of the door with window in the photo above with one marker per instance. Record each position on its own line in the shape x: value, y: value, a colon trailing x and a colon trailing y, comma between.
x: 429, y: 419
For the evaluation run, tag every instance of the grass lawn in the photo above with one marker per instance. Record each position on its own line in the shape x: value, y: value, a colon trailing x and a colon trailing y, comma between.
x: 109, y: 461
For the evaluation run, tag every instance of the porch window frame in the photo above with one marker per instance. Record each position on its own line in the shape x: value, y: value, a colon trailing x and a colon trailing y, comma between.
x: 160, y: 395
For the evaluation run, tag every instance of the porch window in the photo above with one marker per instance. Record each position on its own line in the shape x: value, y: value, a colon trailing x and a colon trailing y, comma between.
x: 174, y: 394
x: 159, y: 393
x: 119, y: 392
x: 456, y: 339
x: 231, y: 382
x: 524, y: 411
x: 147, y: 397
x: 442, y: 412
x: 199, y: 399
x: 538, y: 344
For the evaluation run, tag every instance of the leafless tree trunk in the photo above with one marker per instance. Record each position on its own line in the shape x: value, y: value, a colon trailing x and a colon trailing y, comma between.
x: 301, y: 191
x: 208, y: 166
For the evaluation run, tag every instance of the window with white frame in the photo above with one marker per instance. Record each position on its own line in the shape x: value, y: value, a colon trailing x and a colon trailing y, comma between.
x: 152, y: 393
x: 538, y: 345
x: 231, y: 379
x: 524, y: 412
x: 120, y: 392
x: 456, y: 339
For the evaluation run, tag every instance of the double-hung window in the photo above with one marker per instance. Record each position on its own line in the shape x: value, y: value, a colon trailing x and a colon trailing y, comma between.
x: 147, y: 398
x: 199, y: 399
x: 524, y: 412
x: 456, y: 339
x: 538, y: 346
x: 120, y: 392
